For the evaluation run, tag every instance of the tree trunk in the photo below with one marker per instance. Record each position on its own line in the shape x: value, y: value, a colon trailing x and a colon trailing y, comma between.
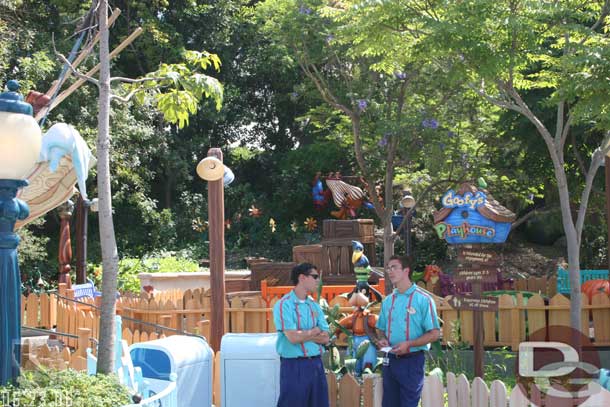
x: 555, y: 147
x: 385, y: 214
x: 573, y: 249
x: 105, y: 359
x: 388, y: 251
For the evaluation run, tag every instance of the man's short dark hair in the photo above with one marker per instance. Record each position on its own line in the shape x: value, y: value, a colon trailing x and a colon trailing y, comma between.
x: 405, y: 261
x: 303, y: 268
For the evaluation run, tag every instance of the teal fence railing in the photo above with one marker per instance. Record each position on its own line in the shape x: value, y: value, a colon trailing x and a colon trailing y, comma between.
x: 563, y: 281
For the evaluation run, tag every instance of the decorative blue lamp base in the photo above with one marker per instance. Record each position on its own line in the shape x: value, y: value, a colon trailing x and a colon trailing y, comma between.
x: 11, y: 210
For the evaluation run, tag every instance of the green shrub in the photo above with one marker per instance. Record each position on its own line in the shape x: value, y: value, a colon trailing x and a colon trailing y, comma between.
x: 129, y: 268
x: 46, y: 388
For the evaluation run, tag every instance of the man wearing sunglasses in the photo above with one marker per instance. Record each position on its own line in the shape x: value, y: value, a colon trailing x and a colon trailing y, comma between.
x: 302, y: 332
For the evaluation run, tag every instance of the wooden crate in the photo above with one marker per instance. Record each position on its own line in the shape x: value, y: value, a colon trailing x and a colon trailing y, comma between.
x: 313, y: 254
x: 274, y: 273
x: 241, y: 284
x: 355, y: 229
x: 342, y: 232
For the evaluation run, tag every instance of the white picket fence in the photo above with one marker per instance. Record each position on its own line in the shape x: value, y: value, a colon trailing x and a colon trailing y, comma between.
x: 460, y: 393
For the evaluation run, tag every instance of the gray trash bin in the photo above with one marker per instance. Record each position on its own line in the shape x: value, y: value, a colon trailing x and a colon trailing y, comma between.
x: 249, y: 370
x: 189, y: 357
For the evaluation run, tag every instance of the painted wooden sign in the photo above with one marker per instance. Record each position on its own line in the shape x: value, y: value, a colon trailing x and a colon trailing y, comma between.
x: 470, y: 303
x: 472, y: 216
x: 481, y: 257
x: 483, y: 275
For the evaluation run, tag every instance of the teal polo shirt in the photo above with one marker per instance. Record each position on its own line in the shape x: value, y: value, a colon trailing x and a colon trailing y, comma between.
x: 408, y: 316
x: 291, y: 313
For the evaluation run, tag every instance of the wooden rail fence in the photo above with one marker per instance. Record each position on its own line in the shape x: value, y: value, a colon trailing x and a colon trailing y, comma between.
x: 516, y: 319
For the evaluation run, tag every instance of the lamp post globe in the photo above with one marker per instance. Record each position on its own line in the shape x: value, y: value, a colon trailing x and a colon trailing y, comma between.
x: 20, y: 135
x: 20, y: 143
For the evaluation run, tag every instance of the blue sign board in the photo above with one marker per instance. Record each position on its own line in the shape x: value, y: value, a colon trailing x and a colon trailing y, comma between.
x: 466, y: 223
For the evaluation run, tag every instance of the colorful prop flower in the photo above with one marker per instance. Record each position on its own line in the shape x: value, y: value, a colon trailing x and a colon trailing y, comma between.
x: 255, y: 212
x: 310, y: 224
x: 294, y: 226
x: 272, y: 225
x: 199, y: 225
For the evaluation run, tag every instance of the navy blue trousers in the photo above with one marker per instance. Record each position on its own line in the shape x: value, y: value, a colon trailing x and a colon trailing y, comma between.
x: 303, y: 383
x: 403, y: 381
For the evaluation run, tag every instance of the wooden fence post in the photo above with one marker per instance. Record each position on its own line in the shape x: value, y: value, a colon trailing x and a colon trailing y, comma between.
x: 331, y: 379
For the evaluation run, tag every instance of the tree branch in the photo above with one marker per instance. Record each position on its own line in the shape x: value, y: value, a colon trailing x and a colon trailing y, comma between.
x: 126, y: 98
x: 528, y: 215
x: 559, y: 126
x: 324, y: 91
x: 581, y: 163
x: 74, y: 70
x: 525, y: 110
x: 596, y: 162
x: 391, y: 155
x: 129, y: 80
x: 495, y: 101
x: 564, y: 134
x: 602, y: 17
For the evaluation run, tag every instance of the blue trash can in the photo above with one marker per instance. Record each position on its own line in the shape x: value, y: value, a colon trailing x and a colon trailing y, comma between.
x: 249, y: 370
x: 189, y: 357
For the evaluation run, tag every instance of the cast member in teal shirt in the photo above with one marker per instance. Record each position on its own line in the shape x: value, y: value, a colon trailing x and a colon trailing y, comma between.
x: 302, y: 332
x: 408, y: 323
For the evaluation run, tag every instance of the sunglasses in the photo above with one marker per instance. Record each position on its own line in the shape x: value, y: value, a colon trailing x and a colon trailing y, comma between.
x: 315, y: 276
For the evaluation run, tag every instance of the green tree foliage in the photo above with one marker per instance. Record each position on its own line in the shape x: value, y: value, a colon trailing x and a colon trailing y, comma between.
x: 515, y: 47
x: 277, y: 130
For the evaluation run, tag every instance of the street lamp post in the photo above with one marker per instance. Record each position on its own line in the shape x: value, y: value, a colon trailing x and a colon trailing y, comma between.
x: 20, y: 143
x: 407, y: 203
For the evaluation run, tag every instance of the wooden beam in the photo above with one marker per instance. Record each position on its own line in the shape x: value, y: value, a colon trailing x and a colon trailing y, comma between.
x: 63, y: 95
x: 217, y: 255
x: 80, y: 58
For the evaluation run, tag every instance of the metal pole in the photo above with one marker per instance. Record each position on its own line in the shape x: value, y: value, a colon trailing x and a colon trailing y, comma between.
x: 407, y: 232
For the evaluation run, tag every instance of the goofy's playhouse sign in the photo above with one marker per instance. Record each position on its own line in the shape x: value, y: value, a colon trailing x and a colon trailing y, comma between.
x: 472, y: 216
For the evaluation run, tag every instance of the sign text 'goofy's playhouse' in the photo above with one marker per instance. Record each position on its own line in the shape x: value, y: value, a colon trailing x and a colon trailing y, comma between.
x: 472, y: 216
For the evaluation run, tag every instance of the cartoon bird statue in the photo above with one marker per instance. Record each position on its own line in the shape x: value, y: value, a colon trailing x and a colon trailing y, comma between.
x: 362, y: 324
x: 319, y: 194
x: 348, y: 198
x: 363, y: 271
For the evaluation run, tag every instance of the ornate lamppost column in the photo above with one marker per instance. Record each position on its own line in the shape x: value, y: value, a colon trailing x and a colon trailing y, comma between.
x: 20, y: 142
